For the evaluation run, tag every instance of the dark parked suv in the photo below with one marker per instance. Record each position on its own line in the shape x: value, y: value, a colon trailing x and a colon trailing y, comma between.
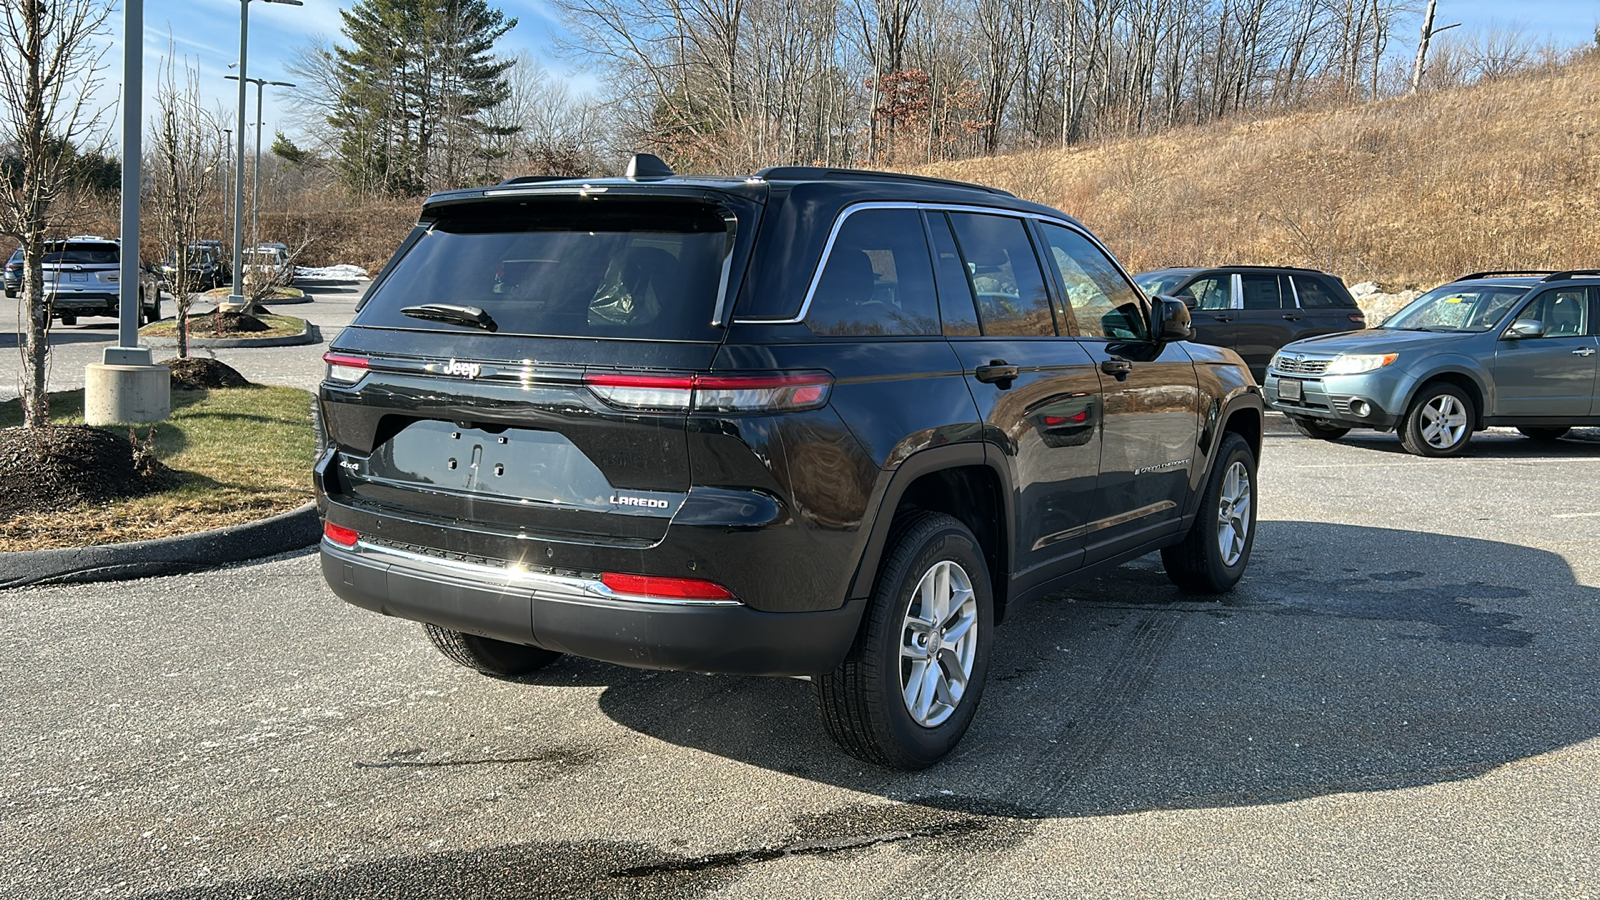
x: 810, y: 422
x: 1255, y: 310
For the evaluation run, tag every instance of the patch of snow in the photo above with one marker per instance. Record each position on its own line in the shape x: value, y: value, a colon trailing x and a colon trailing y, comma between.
x: 1364, y: 288
x: 331, y: 273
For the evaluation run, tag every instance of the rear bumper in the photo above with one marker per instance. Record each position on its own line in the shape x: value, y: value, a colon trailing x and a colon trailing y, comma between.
x: 572, y: 614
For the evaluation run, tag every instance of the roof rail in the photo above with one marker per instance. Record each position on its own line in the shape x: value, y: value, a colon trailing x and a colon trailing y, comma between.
x: 533, y: 179
x: 818, y: 173
x: 1500, y: 272
x: 1573, y: 273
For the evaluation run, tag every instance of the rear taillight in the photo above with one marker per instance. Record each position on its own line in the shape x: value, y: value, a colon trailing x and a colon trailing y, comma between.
x: 1358, y: 318
x: 344, y: 537
x: 714, y: 393
x: 345, y: 368
x: 663, y: 588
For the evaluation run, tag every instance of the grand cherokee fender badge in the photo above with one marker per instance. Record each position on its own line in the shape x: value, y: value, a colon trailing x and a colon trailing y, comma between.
x: 1162, y: 467
x: 646, y: 502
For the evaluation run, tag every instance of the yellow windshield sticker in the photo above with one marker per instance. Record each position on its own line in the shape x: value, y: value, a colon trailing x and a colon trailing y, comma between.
x: 1454, y: 298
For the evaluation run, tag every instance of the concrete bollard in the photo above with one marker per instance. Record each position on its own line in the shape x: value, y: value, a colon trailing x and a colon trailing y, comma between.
x: 126, y: 388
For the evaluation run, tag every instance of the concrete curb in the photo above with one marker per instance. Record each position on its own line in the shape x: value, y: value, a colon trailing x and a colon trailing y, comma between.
x: 310, y: 335
x: 163, y: 556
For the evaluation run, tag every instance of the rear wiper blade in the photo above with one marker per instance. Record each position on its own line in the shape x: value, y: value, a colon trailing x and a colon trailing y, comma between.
x: 455, y: 315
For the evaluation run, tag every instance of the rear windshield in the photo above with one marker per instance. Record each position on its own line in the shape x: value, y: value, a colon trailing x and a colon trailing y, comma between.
x: 97, y: 255
x: 567, y: 269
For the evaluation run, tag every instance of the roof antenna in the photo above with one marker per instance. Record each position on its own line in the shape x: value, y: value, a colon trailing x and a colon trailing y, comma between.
x: 648, y: 165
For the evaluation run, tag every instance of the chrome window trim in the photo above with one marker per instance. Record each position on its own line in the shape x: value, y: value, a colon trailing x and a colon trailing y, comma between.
x: 852, y: 209
x: 1294, y: 289
x: 545, y: 585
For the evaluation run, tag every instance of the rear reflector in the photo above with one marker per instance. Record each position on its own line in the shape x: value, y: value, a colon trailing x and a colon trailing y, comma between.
x: 344, y: 537
x: 345, y: 368
x: 714, y: 393
x: 666, y: 588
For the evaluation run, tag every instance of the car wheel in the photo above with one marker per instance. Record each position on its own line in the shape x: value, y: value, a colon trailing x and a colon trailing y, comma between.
x: 10, y: 294
x: 1439, y: 422
x: 909, y: 687
x: 1543, y: 433
x: 501, y: 659
x: 1313, y: 429
x: 1212, y: 557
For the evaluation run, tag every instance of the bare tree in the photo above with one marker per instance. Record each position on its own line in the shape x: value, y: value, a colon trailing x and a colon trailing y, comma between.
x: 185, y: 159
x: 49, y: 72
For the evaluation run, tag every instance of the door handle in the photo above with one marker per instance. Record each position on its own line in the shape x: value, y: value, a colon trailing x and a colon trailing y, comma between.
x: 1117, y: 367
x: 1583, y: 351
x: 998, y: 371
x: 1293, y: 317
x: 1223, y: 318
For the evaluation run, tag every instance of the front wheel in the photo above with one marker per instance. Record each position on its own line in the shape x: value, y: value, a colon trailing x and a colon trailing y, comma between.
x: 1212, y: 557
x: 909, y: 687
x: 1542, y: 433
x: 1313, y: 429
x: 1439, y: 422
x: 501, y: 659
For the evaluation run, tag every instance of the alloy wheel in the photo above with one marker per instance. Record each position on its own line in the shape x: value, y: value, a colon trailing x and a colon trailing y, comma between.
x: 1233, y: 513
x: 1444, y: 421
x: 938, y: 643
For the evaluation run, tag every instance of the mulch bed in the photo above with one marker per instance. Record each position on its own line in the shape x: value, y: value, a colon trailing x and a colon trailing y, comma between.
x: 206, y: 324
x: 65, y: 465
x: 197, y: 374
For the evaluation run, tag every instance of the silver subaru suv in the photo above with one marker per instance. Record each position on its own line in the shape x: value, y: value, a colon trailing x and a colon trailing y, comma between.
x: 1515, y: 349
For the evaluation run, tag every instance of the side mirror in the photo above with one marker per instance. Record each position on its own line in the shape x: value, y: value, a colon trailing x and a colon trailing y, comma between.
x: 1525, y: 328
x: 1172, y: 320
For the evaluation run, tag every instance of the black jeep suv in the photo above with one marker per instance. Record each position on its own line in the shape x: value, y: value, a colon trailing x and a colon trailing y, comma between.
x: 811, y: 422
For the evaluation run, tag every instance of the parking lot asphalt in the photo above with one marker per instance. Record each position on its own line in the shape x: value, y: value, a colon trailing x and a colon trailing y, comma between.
x: 72, y: 347
x: 1399, y: 700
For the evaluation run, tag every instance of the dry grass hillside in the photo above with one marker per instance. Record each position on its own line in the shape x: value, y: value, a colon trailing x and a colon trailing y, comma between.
x: 1407, y: 192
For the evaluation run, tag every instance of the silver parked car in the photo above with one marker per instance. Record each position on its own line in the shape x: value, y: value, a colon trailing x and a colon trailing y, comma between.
x: 1493, y: 348
x: 80, y: 279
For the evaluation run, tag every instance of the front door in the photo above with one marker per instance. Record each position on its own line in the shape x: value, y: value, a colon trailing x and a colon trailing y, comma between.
x: 1150, y: 397
x: 1553, y: 375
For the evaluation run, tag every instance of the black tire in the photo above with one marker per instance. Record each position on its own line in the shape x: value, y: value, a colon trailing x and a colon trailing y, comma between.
x: 1544, y: 432
x: 862, y: 702
x: 1311, y: 428
x: 1198, y: 562
x: 1418, y: 431
x: 501, y: 659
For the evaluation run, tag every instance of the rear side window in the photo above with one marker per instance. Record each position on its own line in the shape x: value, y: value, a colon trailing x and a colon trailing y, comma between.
x: 1318, y: 294
x: 1005, y: 275
x: 1261, y: 292
x: 878, y: 279
x: 1104, y: 304
x: 566, y: 269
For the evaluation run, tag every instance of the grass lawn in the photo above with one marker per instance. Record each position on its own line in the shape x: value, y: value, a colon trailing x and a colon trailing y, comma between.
x: 200, y: 326
x: 241, y: 454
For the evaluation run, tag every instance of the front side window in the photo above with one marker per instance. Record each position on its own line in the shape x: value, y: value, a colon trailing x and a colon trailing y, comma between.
x: 1210, y: 292
x: 1005, y: 275
x: 1104, y: 304
x: 877, y: 279
x: 1564, y: 312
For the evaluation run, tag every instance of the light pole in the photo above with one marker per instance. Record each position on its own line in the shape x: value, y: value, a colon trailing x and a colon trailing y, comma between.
x: 236, y: 299
x: 255, y: 192
x: 227, y: 177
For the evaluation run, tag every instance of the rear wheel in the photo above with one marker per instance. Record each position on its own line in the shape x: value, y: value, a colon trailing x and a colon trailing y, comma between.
x: 910, y: 685
x: 1212, y: 556
x: 1439, y: 422
x: 1313, y: 429
x: 487, y: 655
x: 1543, y: 433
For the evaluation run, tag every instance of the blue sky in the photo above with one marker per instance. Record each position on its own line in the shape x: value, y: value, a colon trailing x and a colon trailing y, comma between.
x: 207, y: 33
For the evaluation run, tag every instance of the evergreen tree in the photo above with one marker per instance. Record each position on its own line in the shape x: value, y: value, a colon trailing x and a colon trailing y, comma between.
x: 415, y: 89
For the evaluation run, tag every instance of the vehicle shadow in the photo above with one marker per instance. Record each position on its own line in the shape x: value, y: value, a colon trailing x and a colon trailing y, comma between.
x: 1498, y: 443
x: 1406, y: 659
x: 71, y: 334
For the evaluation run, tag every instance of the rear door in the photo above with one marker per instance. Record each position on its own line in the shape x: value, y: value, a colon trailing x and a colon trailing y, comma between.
x: 562, y: 413
x: 1150, y: 395
x: 1553, y: 375
x: 1268, y: 318
x: 1324, y: 309
x: 1037, y: 394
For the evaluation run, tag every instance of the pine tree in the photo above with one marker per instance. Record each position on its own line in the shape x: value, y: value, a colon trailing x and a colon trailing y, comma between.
x: 416, y: 85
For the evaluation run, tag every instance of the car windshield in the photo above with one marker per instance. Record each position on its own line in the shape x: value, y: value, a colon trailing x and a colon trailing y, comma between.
x: 1158, y: 283
x: 1457, y: 307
